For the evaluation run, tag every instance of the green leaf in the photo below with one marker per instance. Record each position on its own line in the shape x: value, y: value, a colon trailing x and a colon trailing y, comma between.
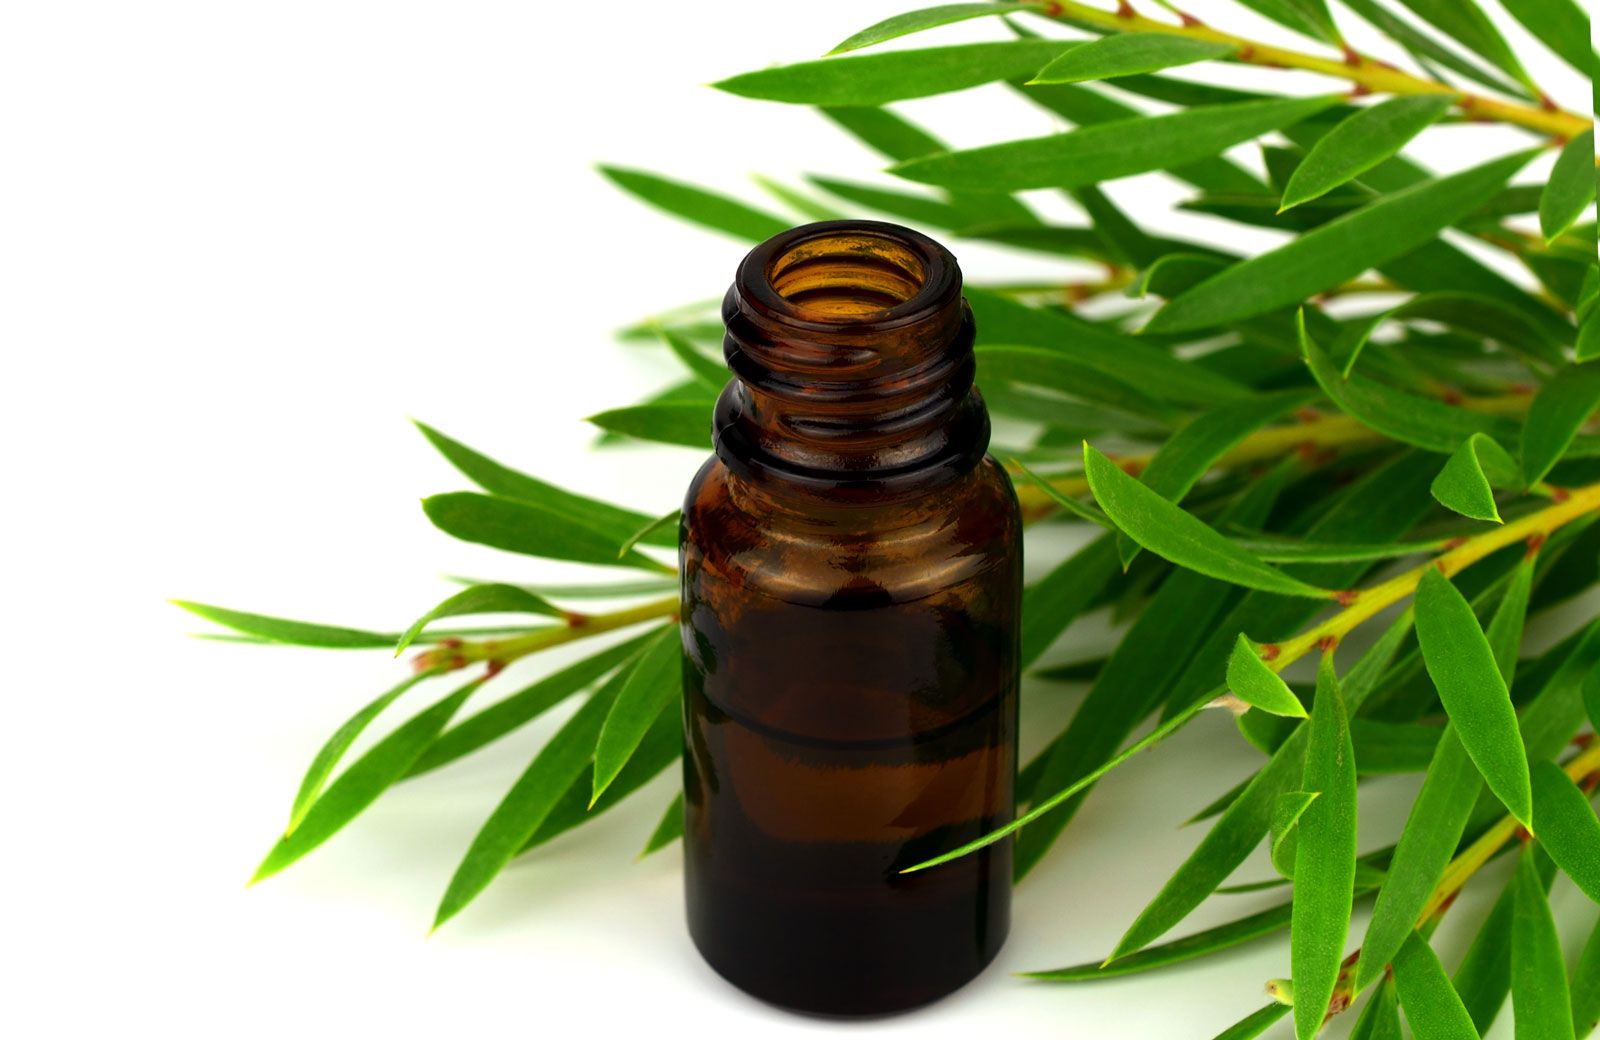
x: 1568, y: 829
x: 1081, y: 510
x: 1586, y: 986
x: 706, y: 372
x: 654, y: 683
x: 1427, y: 424
x: 1124, y: 54
x: 328, y: 756
x: 361, y: 784
x: 1198, y: 445
x: 697, y: 205
x: 516, y: 710
x: 1250, y: 680
x: 1484, y: 977
x: 505, y: 482
x: 1174, y: 273
x: 1432, y: 1007
x: 1107, y: 151
x: 1476, y: 315
x: 1123, y: 358
x: 1538, y: 977
x: 1441, y: 810
x: 917, y: 209
x: 797, y: 201
x: 1286, y: 550
x: 1211, y: 940
x: 1050, y: 604
x: 1389, y: 227
x: 1464, y: 671
x: 1393, y: 747
x: 669, y: 830
x: 1325, y: 862
x: 1432, y: 831
x: 1558, y: 411
x: 927, y: 18
x: 527, y: 528
x: 1134, y: 681
x: 875, y: 79
x: 1380, y: 1019
x: 1362, y: 141
x: 1056, y: 371
x: 1178, y: 536
x: 1466, y: 483
x: 1254, y: 1024
x: 525, y: 806
x: 480, y: 599
x: 1562, y: 25
x: 1284, y: 845
x: 283, y: 630
x: 1468, y: 24
x: 666, y: 520
x: 686, y: 423
x: 1570, y: 189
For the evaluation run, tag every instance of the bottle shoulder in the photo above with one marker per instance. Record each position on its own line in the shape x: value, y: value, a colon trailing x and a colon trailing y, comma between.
x: 810, y: 549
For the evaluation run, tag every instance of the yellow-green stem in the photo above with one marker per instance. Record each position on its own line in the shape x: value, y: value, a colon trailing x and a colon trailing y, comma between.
x: 1367, y: 73
x: 501, y: 652
x: 1363, y: 604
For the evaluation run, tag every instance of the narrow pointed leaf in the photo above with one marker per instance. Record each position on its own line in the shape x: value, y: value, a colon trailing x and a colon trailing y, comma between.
x: 1558, y: 411
x: 1386, y: 228
x: 506, y: 482
x: 527, y: 528
x: 686, y: 423
x: 876, y: 79
x: 916, y: 209
x: 697, y: 205
x: 927, y: 18
x: 708, y: 373
x: 1469, y: 25
x: 283, y: 630
x: 1178, y: 536
x: 1286, y: 812
x: 1432, y: 1007
x: 1107, y: 151
x: 1255, y: 1023
x: 1570, y: 189
x: 666, y: 520
x: 1562, y: 25
x: 530, y: 799
x: 653, y: 683
x: 1463, y: 668
x: 1425, y: 47
x: 1250, y: 680
x: 1539, y: 996
x: 1081, y: 510
x: 1466, y: 483
x: 1380, y: 1019
x: 1125, y: 358
x: 1198, y: 445
x: 1057, y: 371
x: 1362, y: 141
x: 1483, y: 979
x: 1325, y: 862
x: 1222, y: 937
x: 1050, y: 604
x: 480, y: 599
x: 669, y: 830
x: 1586, y: 986
x: 1568, y: 829
x: 328, y: 756
x: 1394, y: 413
x: 1124, y: 54
x: 361, y: 784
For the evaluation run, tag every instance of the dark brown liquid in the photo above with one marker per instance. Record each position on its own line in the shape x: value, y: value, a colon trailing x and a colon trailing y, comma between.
x: 852, y: 578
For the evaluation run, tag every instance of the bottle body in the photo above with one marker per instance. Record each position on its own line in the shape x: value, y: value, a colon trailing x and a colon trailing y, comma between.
x: 851, y: 590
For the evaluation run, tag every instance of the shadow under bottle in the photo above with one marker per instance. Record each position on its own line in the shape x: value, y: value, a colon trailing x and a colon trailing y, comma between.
x: 851, y: 564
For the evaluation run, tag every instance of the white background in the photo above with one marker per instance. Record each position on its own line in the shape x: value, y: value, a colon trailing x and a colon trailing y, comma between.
x: 241, y: 244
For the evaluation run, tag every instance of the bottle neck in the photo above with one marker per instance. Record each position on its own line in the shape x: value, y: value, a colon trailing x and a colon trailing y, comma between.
x: 851, y: 350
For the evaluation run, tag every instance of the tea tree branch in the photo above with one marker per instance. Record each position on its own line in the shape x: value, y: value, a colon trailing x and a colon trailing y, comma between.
x: 1368, y: 74
x: 455, y: 654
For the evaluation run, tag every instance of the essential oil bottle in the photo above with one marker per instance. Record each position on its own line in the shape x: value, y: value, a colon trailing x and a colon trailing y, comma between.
x: 851, y: 564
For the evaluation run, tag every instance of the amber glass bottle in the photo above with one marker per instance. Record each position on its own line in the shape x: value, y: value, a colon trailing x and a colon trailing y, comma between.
x: 851, y: 565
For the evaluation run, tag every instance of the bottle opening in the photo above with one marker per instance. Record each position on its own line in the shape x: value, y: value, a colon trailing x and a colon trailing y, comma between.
x: 846, y: 276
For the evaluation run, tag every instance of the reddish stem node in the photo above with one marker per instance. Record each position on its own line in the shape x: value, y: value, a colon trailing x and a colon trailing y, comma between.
x: 1270, y: 651
x: 1535, y: 544
x: 1327, y: 644
x: 1125, y: 10
x: 574, y: 619
x: 450, y: 644
x: 1189, y: 20
x: 1053, y: 10
x: 1559, y: 494
x: 1347, y: 597
x: 493, y: 668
